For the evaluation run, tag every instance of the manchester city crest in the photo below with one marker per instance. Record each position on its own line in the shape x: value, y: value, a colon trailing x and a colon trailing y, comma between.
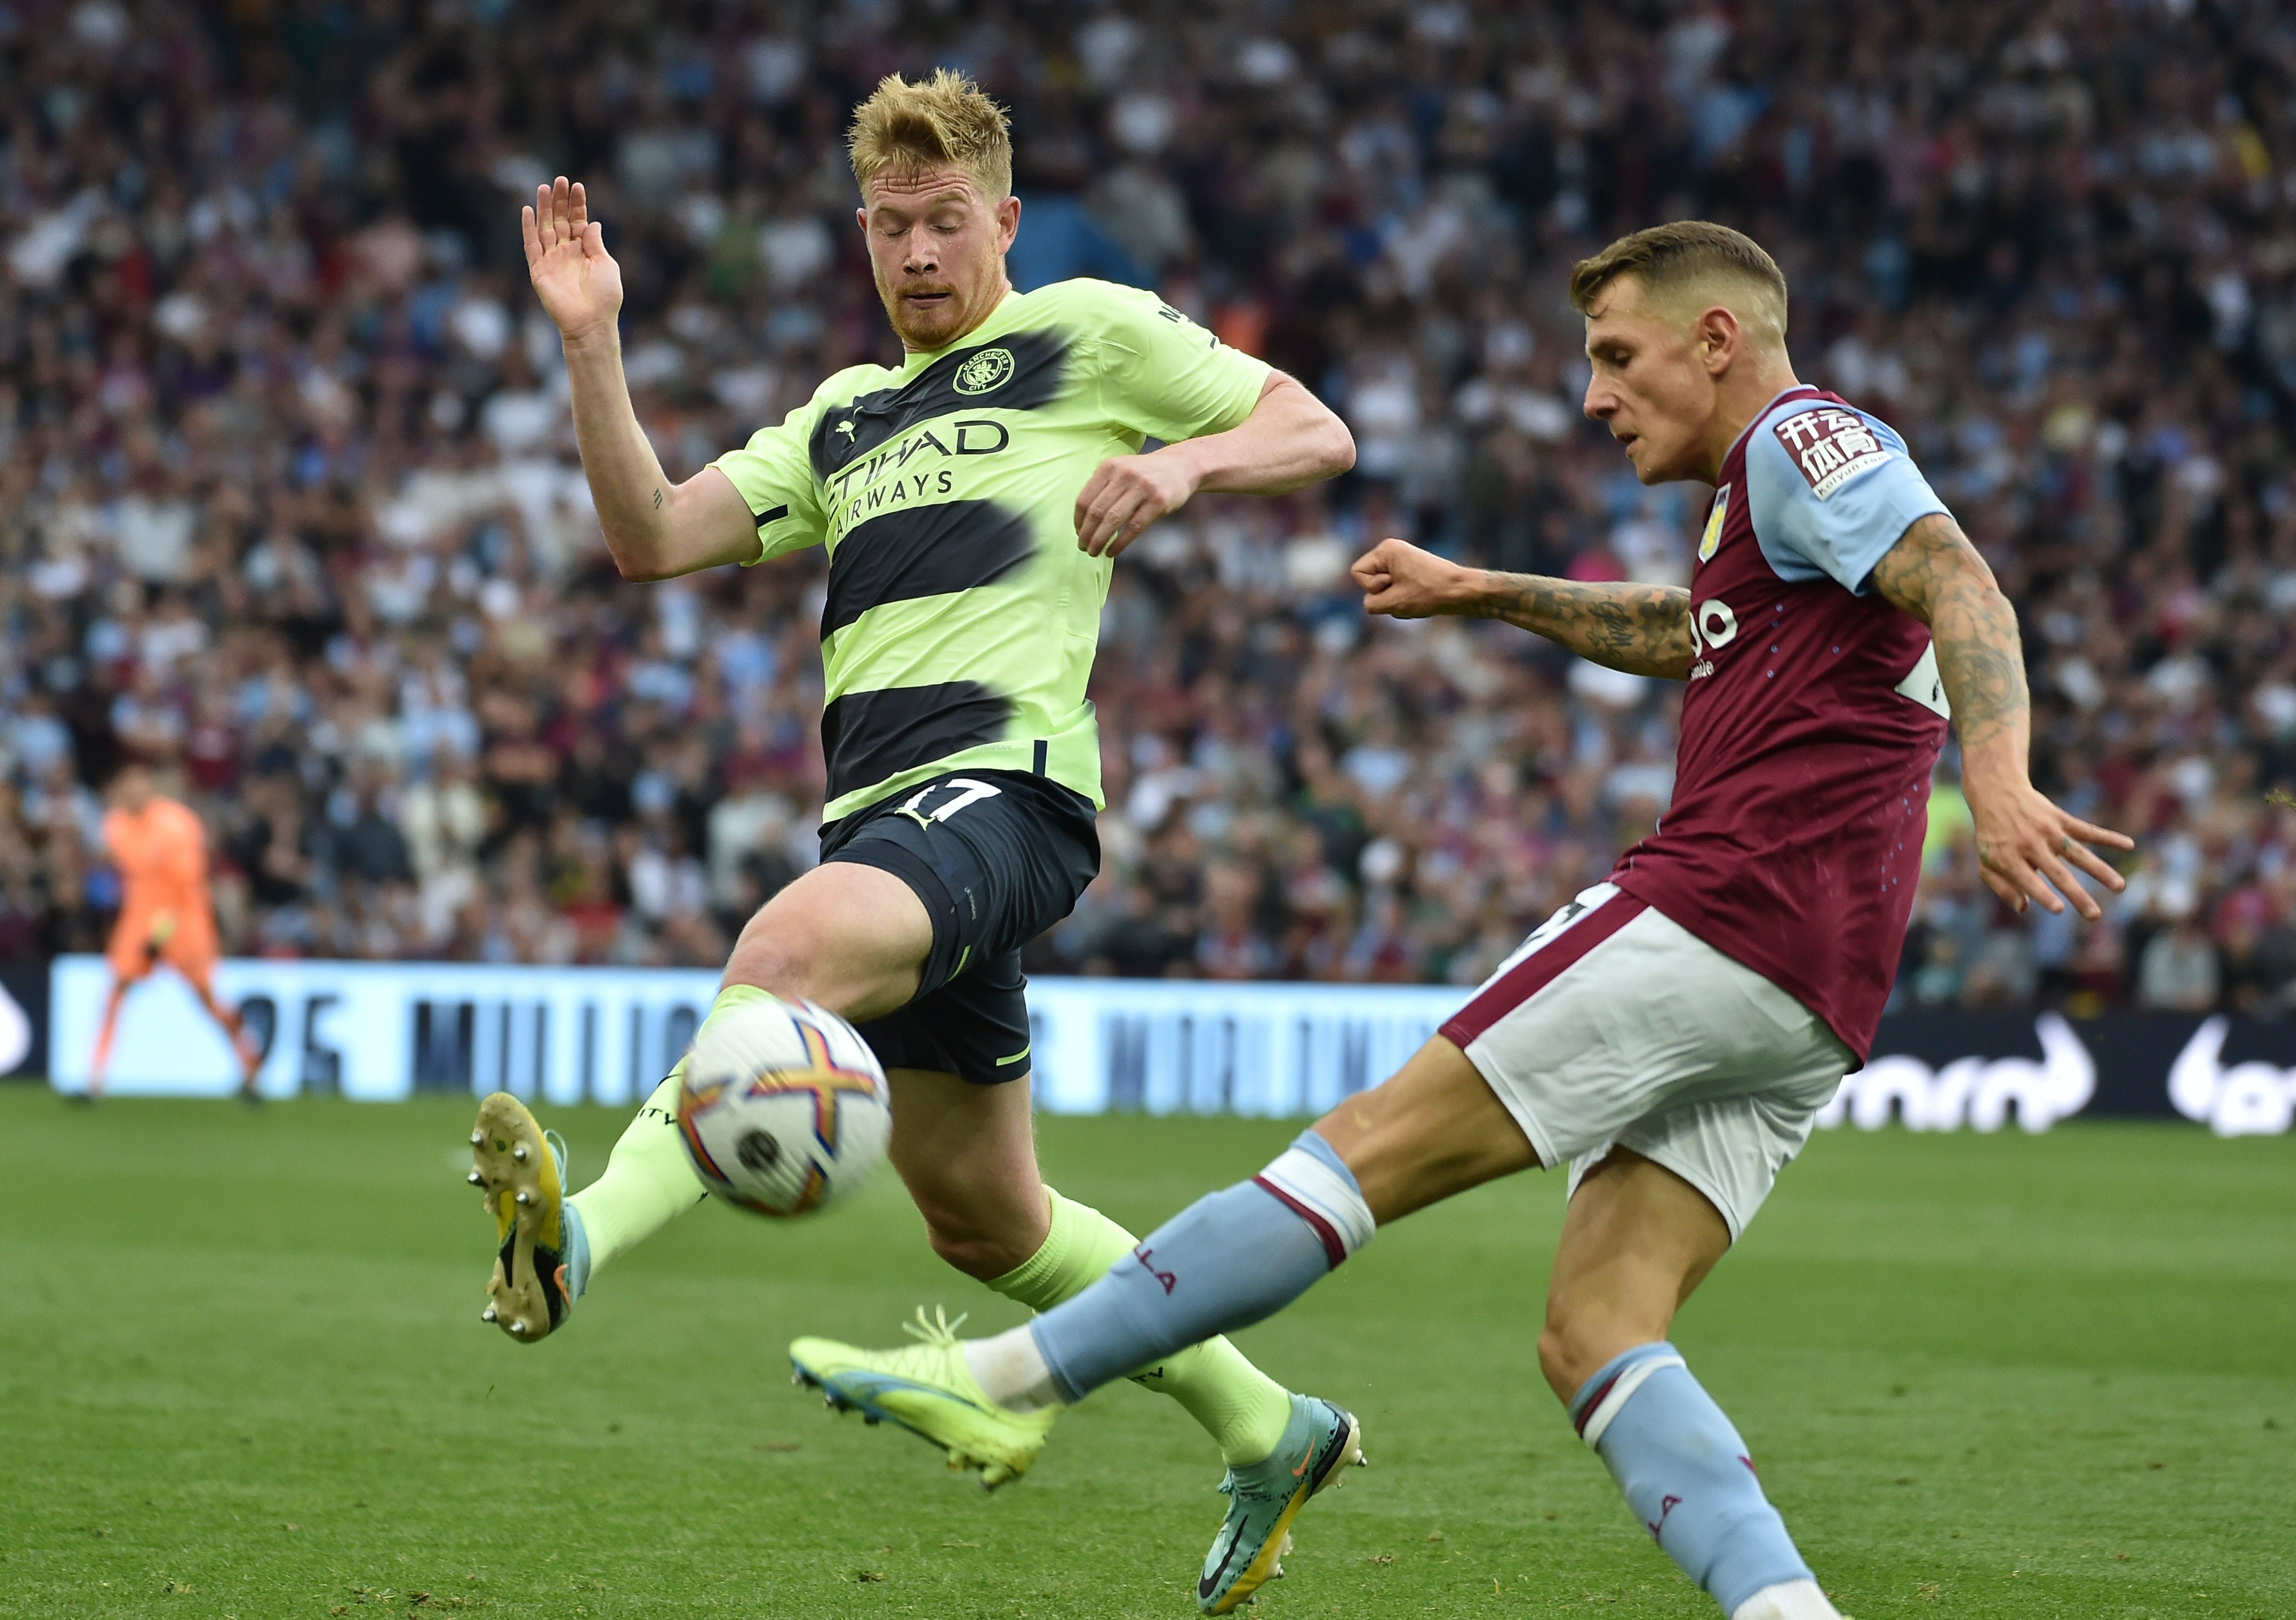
x: 984, y: 372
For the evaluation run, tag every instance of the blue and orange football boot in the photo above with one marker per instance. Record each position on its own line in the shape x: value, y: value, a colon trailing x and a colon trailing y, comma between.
x: 1319, y: 1444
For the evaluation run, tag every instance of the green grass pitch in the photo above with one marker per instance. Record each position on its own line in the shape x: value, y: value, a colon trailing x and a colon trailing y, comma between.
x: 242, y: 1374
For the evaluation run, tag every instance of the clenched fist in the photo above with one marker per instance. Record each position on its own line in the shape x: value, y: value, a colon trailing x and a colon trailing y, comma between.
x: 1401, y: 581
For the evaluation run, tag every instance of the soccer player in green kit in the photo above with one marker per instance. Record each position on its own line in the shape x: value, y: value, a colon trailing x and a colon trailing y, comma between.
x: 972, y: 500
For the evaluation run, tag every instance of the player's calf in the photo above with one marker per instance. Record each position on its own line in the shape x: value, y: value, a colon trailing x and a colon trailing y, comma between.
x: 1690, y: 1481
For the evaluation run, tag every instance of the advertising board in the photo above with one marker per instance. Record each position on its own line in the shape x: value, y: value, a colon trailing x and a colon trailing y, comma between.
x: 381, y: 1031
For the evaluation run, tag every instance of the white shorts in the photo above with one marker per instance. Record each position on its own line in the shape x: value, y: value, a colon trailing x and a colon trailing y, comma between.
x: 1613, y: 1025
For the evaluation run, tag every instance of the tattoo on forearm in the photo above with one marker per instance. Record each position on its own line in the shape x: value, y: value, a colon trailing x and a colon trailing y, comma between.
x: 1936, y: 575
x: 1642, y: 629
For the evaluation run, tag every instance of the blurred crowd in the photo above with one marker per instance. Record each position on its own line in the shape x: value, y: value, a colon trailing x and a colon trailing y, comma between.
x: 290, y: 507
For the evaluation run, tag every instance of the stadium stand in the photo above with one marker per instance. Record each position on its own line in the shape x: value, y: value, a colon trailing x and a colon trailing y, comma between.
x: 289, y: 504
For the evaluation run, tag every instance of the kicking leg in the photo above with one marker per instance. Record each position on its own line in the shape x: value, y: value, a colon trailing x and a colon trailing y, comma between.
x: 851, y: 937
x: 1238, y: 1256
x: 1638, y: 1239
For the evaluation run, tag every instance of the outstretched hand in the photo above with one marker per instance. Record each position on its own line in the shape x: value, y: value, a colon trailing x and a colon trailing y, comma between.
x: 578, y: 282
x: 2027, y: 849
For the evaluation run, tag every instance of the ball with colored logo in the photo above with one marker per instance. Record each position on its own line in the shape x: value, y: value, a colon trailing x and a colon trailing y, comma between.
x: 784, y: 1108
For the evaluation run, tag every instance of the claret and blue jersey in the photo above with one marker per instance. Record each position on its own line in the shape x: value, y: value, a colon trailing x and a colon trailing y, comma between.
x: 961, y: 618
x: 1813, y: 719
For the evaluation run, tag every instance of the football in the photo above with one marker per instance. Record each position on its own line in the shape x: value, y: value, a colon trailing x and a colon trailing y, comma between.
x: 785, y: 1108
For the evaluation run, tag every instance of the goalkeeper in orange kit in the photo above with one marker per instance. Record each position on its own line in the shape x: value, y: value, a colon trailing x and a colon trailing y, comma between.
x: 166, y: 912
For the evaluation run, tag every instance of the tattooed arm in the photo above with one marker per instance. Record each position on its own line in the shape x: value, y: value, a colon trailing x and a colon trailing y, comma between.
x: 1935, y: 574
x: 1642, y: 629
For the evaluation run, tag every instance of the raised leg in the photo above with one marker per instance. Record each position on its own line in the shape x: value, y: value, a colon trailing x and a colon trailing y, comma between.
x: 1238, y: 1256
x: 851, y: 938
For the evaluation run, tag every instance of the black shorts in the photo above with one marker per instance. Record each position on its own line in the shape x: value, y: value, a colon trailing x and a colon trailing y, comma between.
x: 997, y: 857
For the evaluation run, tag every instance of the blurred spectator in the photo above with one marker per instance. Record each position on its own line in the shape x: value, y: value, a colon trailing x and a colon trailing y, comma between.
x: 2178, y: 972
x: 289, y: 507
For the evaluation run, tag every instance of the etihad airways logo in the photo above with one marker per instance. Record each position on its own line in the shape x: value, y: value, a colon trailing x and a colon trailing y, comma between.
x: 883, y: 478
x: 976, y: 436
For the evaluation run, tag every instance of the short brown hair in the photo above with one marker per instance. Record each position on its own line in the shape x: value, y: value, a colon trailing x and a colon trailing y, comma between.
x: 1673, y: 259
x: 943, y: 119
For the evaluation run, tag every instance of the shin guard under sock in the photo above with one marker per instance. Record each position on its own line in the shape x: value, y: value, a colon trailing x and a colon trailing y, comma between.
x: 1686, y: 1474
x: 649, y: 1180
x: 1227, y: 1260
x: 1241, y: 1407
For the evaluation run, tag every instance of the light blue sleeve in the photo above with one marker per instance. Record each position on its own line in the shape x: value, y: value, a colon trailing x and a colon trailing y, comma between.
x: 1830, y: 489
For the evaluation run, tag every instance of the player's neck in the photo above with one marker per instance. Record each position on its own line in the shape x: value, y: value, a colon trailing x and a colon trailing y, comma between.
x: 1739, y: 400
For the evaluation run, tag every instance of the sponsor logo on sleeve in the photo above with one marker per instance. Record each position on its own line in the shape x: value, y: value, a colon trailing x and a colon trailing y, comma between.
x: 1712, y: 537
x: 1830, y: 447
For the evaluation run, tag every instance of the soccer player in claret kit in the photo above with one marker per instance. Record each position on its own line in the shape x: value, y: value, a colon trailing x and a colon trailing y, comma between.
x: 972, y: 500
x: 1671, y: 1033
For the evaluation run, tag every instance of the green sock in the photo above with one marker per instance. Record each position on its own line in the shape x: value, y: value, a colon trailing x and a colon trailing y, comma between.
x: 649, y: 1181
x: 1241, y: 1408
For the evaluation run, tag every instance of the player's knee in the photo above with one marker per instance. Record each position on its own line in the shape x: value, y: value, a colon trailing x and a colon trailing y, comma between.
x: 784, y: 947
x: 1577, y: 1342
x: 771, y: 959
x: 1558, y: 1358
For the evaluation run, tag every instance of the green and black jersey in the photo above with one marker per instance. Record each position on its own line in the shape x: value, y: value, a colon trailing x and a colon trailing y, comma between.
x: 962, y: 617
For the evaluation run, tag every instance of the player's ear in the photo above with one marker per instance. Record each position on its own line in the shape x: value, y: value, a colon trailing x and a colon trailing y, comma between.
x: 1718, y: 338
x: 1008, y: 221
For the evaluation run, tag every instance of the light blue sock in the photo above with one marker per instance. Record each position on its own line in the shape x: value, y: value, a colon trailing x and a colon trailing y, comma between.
x: 578, y: 1252
x: 1225, y: 1262
x: 1686, y: 1474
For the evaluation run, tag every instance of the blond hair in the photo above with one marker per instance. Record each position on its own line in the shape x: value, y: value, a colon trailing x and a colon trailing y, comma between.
x: 945, y: 119
x: 1687, y: 258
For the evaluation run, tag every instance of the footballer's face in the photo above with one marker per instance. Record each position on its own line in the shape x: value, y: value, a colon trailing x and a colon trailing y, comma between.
x: 937, y: 248
x: 1653, y: 383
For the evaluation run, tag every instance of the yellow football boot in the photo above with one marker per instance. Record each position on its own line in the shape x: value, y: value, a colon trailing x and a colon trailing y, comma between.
x: 521, y: 1172
x: 927, y: 1389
